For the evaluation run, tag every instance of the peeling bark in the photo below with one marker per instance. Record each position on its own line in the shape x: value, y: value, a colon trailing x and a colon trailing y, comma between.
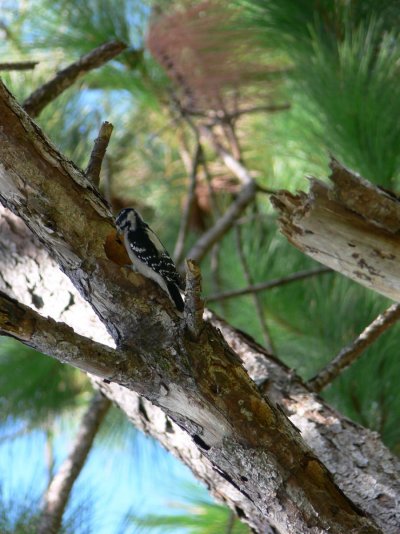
x: 351, y: 227
x: 361, y: 465
x: 201, y: 386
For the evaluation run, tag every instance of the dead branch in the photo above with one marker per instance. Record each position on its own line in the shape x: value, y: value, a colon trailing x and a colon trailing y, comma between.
x: 194, y: 306
x: 201, y: 386
x: 221, y: 115
x: 59, y: 490
x: 98, y: 153
x: 244, y: 198
x: 224, y: 223
x: 48, y: 92
x: 350, y: 228
x: 344, y: 447
x: 230, y: 162
x: 259, y: 109
x: 61, y: 342
x: 19, y: 65
x: 372, y: 203
x: 352, y: 352
x: 190, y: 198
x: 270, y: 284
x: 256, y: 300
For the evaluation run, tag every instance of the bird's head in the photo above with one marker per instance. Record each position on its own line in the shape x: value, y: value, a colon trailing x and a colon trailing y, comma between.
x: 127, y: 219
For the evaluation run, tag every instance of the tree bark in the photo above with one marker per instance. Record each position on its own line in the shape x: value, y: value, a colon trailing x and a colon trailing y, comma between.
x: 360, y: 464
x: 351, y: 227
x: 42, y: 96
x: 200, y: 384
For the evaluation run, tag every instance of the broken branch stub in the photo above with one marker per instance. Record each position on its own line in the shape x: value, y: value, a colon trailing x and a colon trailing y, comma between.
x: 352, y: 228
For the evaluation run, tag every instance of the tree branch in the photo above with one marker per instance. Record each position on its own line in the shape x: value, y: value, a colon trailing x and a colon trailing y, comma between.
x: 350, y: 228
x: 337, y: 441
x: 244, y: 198
x: 190, y: 198
x: 194, y: 306
x: 98, y: 153
x: 59, y: 490
x: 42, y: 96
x: 270, y: 284
x: 61, y: 342
x: 230, y: 162
x: 19, y: 65
x: 222, y: 116
x: 326, y: 431
x: 352, y: 352
x: 200, y: 385
x: 256, y: 300
x: 273, y: 108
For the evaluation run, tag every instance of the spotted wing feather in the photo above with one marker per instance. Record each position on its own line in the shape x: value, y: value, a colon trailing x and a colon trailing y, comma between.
x: 149, y: 250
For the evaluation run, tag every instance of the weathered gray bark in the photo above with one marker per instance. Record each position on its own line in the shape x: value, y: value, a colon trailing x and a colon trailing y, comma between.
x: 200, y: 384
x: 361, y: 465
x: 351, y: 227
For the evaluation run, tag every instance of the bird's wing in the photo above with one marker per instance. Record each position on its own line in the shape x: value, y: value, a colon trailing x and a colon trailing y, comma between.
x: 149, y: 249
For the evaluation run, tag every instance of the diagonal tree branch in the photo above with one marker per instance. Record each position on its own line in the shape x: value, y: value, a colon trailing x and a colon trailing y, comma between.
x: 59, y: 490
x: 19, y: 65
x: 222, y: 225
x: 256, y: 299
x: 244, y: 198
x: 61, y: 342
x: 189, y: 201
x: 337, y: 441
x: 233, y: 164
x: 201, y: 386
x: 42, y: 96
x: 270, y: 284
x: 352, y: 352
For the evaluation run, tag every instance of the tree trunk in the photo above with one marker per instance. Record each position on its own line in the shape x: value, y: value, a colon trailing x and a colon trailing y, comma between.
x: 198, y: 383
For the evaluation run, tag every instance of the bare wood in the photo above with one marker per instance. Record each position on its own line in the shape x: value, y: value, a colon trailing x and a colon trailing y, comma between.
x: 194, y: 305
x: 270, y: 284
x: 98, y: 153
x: 59, y: 490
x: 352, y: 352
x: 48, y: 92
x: 244, y: 198
x: 326, y: 230
x: 371, y: 202
x: 273, y: 108
x: 19, y: 65
x: 202, y: 386
x: 346, y: 448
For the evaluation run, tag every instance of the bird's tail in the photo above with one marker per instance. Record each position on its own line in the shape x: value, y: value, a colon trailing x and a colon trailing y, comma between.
x: 175, y: 295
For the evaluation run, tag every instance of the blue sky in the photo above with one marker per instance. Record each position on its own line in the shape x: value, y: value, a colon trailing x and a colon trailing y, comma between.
x: 138, y: 478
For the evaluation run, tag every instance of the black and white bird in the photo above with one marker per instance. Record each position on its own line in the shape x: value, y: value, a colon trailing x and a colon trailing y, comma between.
x: 148, y: 254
